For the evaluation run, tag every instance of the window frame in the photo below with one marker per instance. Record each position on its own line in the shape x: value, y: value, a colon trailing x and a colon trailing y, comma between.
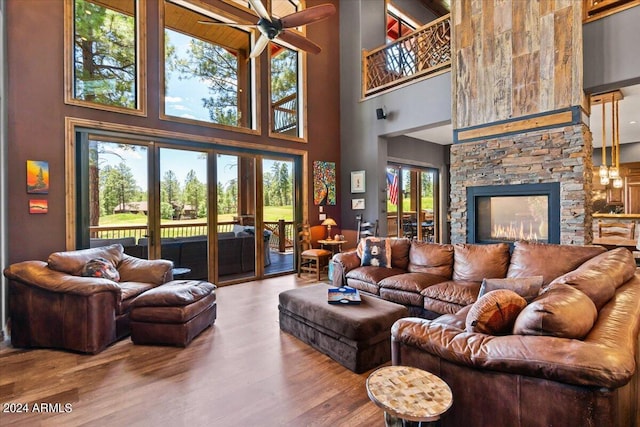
x: 141, y: 62
x: 253, y: 73
x: 301, y: 135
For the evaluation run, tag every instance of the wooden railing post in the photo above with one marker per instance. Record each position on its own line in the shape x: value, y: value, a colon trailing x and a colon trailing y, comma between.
x: 281, y: 234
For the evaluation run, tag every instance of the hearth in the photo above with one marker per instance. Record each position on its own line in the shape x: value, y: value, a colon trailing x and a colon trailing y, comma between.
x: 506, y: 213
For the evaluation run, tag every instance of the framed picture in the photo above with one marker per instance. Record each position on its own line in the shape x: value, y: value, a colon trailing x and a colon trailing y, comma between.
x: 357, y: 182
x: 357, y: 204
x: 37, y: 177
x: 38, y: 206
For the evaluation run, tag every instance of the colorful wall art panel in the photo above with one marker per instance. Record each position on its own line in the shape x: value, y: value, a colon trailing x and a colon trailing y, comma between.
x: 324, y: 183
x: 37, y: 177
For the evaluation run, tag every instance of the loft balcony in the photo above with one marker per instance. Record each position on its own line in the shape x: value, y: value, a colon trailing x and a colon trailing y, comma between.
x: 420, y: 54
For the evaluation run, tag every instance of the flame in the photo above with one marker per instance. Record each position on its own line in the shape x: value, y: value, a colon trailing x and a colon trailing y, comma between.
x: 514, y: 231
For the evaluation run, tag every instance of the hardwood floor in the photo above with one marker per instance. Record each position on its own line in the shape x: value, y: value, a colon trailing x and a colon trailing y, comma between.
x: 242, y: 372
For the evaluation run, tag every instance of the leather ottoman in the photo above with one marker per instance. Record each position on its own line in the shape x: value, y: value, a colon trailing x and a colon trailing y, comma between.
x: 173, y: 313
x: 356, y: 336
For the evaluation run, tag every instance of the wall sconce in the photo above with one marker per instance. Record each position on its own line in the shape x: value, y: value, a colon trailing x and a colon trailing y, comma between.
x: 329, y: 222
x: 381, y: 113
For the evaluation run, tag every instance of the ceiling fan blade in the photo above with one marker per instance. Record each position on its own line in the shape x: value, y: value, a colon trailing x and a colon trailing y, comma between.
x: 260, y: 9
x: 308, y: 16
x: 262, y: 42
x: 228, y: 24
x: 299, y: 41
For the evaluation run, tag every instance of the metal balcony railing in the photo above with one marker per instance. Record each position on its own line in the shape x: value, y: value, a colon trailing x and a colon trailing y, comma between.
x: 425, y: 51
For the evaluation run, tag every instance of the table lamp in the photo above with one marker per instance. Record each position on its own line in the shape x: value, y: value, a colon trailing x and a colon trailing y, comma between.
x: 329, y: 222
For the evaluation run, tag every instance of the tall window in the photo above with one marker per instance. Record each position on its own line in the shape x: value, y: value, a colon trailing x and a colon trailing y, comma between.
x: 105, y: 65
x: 398, y: 25
x: 285, y: 111
x: 286, y: 96
x: 207, y: 72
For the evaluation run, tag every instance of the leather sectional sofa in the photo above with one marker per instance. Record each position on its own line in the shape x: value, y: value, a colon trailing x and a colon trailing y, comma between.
x: 432, y: 279
x: 570, y: 358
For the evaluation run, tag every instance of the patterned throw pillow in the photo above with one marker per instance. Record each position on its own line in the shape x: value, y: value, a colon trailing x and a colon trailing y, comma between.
x: 100, y: 267
x: 495, y: 312
x: 376, y: 252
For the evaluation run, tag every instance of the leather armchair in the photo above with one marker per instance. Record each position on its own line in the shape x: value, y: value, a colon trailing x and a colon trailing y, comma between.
x: 51, y: 305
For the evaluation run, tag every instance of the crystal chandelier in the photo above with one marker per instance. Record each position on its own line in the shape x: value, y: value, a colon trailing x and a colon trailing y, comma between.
x: 611, y: 173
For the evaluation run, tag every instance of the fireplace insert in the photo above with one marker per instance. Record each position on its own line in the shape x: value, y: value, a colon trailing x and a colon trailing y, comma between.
x: 506, y: 213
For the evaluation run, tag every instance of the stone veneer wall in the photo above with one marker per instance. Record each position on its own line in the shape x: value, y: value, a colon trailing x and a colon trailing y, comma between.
x: 556, y: 155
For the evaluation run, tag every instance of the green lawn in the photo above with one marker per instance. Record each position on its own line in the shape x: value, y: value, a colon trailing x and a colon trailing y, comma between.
x: 271, y: 214
x: 427, y: 203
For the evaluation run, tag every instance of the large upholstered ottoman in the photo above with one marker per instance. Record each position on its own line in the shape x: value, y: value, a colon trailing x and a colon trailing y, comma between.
x: 173, y: 313
x: 356, y: 336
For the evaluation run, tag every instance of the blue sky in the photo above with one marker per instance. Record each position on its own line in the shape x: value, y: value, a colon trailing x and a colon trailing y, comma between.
x: 184, y: 97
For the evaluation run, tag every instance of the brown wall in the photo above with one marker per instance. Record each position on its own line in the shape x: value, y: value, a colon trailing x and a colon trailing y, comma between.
x: 36, y: 123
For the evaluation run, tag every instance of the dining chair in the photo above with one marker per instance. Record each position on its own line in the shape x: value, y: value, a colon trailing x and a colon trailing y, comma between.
x: 310, y: 260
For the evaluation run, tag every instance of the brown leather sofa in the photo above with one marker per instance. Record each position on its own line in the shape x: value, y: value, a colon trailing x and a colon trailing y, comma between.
x: 541, y: 375
x: 432, y: 279
x: 51, y: 305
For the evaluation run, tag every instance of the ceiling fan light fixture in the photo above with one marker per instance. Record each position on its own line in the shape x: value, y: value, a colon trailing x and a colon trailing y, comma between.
x: 272, y: 28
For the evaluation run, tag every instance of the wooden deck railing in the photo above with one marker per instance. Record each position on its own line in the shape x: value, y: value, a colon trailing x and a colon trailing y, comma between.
x: 284, y: 113
x: 425, y: 51
x: 282, y: 237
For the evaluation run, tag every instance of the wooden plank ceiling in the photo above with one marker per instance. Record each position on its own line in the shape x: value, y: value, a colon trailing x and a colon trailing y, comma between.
x: 439, y: 7
x: 185, y: 21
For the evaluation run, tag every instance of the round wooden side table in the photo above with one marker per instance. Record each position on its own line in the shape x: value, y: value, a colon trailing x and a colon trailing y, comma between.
x: 408, y: 394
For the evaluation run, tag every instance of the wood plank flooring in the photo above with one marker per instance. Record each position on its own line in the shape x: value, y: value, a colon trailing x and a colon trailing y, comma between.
x: 242, y: 372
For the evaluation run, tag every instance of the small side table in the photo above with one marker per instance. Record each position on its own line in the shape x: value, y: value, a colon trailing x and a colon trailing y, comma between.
x: 408, y: 394
x: 180, y: 271
x: 332, y: 245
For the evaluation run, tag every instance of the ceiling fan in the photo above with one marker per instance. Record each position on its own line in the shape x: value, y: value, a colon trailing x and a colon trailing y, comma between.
x: 272, y: 28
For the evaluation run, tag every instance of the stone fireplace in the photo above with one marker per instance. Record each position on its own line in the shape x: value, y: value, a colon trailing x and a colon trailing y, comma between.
x: 559, y: 156
x: 507, y: 213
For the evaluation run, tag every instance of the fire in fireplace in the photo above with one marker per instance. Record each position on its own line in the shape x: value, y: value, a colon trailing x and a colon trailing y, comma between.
x: 506, y: 213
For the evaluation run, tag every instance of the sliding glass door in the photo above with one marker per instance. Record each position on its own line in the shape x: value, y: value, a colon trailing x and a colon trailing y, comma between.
x: 113, y: 194
x: 412, y: 202
x: 183, y: 211
x: 159, y: 201
x: 236, y: 217
x: 278, y: 214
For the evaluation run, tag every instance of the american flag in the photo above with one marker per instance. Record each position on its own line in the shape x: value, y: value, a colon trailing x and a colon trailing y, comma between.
x: 392, y: 181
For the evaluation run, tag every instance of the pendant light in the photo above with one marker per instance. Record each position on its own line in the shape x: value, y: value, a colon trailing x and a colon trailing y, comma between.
x: 604, y: 170
x: 615, y: 174
x: 610, y: 174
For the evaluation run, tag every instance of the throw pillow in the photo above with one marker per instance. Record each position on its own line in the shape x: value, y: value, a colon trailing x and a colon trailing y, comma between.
x: 495, y: 312
x: 100, y: 267
x: 526, y: 287
x: 560, y: 311
x: 376, y: 252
